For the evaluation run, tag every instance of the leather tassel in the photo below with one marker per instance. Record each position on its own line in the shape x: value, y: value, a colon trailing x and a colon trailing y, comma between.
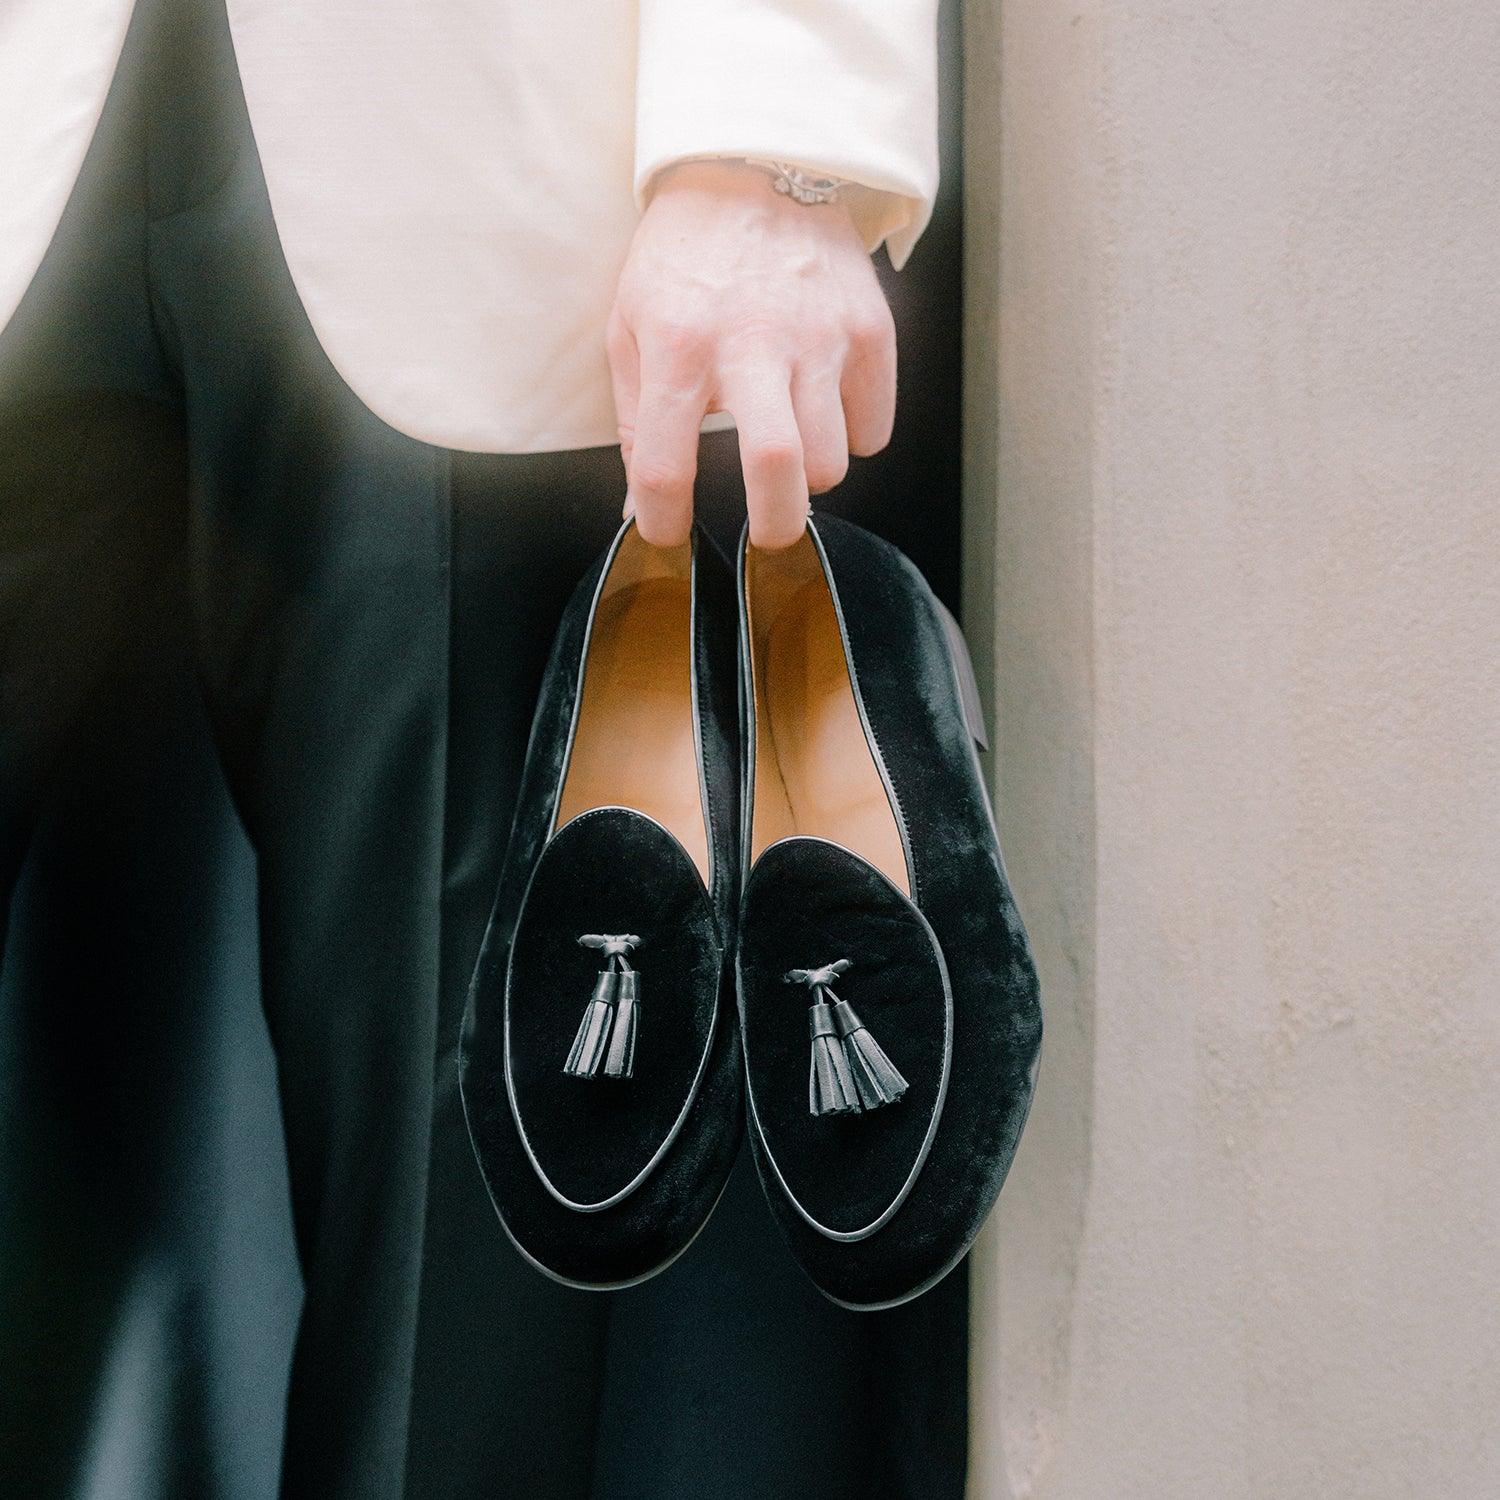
x: 619, y: 1061
x: 605, y: 1040
x: 876, y: 1077
x: 850, y: 1070
x: 831, y: 1089
x: 592, y: 1040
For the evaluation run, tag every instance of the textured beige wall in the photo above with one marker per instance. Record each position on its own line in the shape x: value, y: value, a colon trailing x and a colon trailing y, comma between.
x: 1234, y: 537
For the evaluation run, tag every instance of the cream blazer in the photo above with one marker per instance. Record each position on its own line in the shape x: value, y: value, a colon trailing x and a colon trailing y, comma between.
x: 455, y: 182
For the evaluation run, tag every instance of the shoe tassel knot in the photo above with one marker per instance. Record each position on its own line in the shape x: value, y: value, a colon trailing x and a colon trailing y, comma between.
x: 605, y: 1043
x: 850, y: 1071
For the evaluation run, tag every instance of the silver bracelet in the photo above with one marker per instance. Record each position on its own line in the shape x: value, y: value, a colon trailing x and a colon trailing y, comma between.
x: 803, y: 187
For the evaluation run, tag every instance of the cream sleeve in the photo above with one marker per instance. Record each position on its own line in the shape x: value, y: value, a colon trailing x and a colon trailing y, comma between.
x: 843, y: 88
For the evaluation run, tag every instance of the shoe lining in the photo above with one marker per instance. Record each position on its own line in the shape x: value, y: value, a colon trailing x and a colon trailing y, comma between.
x: 814, y: 770
x: 634, y: 744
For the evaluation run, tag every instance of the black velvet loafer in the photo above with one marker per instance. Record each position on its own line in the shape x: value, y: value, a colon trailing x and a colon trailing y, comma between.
x: 600, y: 1061
x: 889, y: 1009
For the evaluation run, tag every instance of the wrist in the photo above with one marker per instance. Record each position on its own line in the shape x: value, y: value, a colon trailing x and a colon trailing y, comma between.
x: 711, y: 175
x: 753, y: 180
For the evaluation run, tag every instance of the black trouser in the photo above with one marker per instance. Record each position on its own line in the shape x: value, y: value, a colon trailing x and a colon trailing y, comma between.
x: 266, y: 656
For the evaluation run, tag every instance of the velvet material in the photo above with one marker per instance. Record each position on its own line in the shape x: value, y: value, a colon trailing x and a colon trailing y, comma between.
x: 905, y: 675
x: 610, y: 872
x: 809, y: 902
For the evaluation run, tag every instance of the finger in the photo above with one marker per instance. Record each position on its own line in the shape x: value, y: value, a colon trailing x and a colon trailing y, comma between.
x: 770, y: 454
x: 869, y: 383
x: 819, y: 410
x: 664, y: 455
x: 625, y: 377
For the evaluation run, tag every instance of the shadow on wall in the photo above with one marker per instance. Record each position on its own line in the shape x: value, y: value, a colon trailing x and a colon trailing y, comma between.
x: 1029, y: 611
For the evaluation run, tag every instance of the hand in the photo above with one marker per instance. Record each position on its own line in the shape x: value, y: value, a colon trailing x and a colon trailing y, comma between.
x: 734, y: 298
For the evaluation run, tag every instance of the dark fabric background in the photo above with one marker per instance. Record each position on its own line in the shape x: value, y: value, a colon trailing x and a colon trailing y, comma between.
x: 150, y: 1282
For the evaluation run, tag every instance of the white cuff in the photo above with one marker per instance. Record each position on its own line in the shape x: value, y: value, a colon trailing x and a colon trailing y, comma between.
x: 843, y: 88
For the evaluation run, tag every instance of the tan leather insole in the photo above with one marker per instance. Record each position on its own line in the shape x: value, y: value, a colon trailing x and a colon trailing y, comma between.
x: 634, y: 744
x: 814, y: 772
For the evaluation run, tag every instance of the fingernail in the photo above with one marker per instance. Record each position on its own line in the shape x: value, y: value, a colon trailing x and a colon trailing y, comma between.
x: 629, y: 505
